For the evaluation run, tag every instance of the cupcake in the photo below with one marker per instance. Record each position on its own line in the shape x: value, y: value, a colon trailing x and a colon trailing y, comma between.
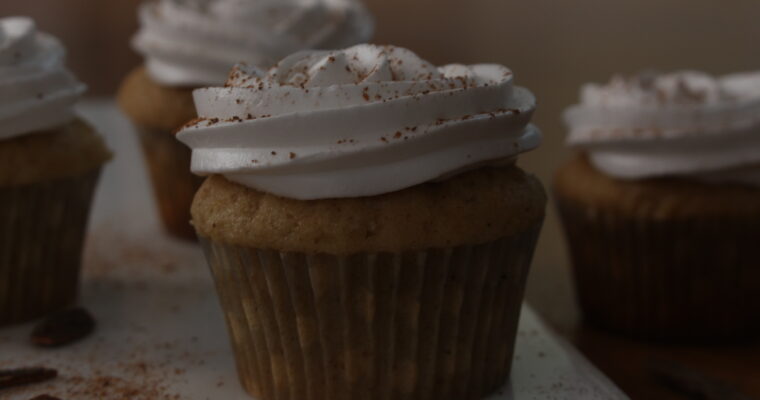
x: 365, y: 223
x: 662, y: 205
x: 49, y: 165
x: 193, y: 43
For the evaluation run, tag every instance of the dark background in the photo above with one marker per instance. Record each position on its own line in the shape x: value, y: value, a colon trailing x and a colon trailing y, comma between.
x: 553, y: 47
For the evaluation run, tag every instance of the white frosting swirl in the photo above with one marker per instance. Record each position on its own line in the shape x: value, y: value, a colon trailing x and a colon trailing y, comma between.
x: 36, y: 90
x: 196, y: 42
x: 679, y: 124
x: 357, y: 122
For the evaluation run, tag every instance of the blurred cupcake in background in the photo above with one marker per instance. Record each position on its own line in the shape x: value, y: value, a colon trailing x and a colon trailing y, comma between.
x: 192, y: 43
x: 662, y: 206
x: 50, y: 161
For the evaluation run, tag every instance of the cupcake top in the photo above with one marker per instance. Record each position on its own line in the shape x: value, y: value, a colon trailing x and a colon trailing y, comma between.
x: 474, y: 207
x: 357, y: 122
x: 37, y: 92
x: 195, y: 42
x: 685, y: 123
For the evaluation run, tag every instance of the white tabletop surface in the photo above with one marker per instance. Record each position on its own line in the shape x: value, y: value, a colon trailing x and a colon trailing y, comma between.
x: 161, y: 334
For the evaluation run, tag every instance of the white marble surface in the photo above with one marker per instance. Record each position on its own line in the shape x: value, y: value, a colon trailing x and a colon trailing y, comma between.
x: 161, y: 334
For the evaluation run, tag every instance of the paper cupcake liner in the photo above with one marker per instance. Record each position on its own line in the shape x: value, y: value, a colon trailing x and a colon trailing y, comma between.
x: 173, y: 184
x: 42, y: 229
x: 436, y: 324
x: 691, y: 279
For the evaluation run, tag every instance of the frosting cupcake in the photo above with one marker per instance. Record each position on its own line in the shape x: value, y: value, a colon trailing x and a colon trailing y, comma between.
x: 662, y: 207
x: 365, y: 223
x: 193, y: 43
x: 49, y: 165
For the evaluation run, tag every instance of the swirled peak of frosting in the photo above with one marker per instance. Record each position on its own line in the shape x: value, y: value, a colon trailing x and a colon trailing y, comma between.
x: 36, y: 90
x: 684, y: 123
x: 196, y: 42
x: 357, y: 122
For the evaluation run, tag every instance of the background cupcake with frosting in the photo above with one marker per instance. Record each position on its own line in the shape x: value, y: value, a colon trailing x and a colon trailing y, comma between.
x: 192, y: 43
x: 50, y: 161
x: 368, y: 231
x: 662, y: 207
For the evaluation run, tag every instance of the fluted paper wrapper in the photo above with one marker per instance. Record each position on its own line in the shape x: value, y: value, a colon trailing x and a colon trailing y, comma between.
x: 694, y: 279
x: 436, y: 324
x: 42, y: 229
x: 173, y: 184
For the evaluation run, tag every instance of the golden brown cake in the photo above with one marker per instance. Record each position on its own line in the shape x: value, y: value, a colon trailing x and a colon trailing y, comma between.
x: 367, y: 242
x: 476, y: 207
x: 664, y: 199
x: 72, y: 150
x: 155, y: 106
x: 157, y: 111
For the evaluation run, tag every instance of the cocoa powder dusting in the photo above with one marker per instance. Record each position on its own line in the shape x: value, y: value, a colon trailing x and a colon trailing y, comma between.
x: 140, y: 385
x: 188, y: 124
x: 134, y: 366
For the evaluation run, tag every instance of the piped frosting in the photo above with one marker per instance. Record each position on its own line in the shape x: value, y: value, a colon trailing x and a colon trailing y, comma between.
x: 196, y: 42
x: 37, y: 92
x: 679, y: 124
x: 357, y: 122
